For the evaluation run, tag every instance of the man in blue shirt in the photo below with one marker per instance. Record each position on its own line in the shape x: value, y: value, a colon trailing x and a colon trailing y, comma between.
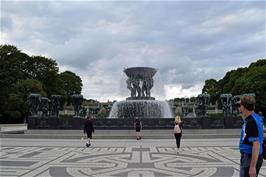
x: 251, y: 138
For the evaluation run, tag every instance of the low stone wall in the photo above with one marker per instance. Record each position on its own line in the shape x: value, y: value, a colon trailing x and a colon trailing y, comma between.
x: 13, y: 128
x: 156, y: 123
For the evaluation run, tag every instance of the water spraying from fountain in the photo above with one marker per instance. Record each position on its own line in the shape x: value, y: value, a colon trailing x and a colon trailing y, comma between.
x: 140, y: 103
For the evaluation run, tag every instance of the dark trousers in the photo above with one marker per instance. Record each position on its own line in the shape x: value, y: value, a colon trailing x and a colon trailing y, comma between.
x: 89, y: 135
x: 245, y: 162
x: 178, y: 139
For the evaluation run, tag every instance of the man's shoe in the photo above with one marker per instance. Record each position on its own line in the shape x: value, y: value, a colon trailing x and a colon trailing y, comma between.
x: 88, y: 144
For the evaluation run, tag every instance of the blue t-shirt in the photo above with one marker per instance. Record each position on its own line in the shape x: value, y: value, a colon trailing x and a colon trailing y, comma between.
x: 252, y: 130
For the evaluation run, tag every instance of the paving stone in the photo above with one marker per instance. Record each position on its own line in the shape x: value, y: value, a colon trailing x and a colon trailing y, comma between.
x: 70, y: 158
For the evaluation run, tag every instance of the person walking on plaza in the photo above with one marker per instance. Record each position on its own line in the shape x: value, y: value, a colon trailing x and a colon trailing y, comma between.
x: 251, y: 139
x: 138, y: 127
x: 89, y: 129
x: 178, y: 131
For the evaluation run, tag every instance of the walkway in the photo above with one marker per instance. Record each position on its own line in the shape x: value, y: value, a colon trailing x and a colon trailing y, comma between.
x: 116, y: 157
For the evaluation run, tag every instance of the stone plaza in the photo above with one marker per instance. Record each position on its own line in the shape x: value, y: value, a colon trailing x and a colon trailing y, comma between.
x: 120, y: 157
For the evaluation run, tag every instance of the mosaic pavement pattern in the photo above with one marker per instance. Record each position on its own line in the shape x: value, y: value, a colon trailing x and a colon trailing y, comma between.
x: 135, y: 160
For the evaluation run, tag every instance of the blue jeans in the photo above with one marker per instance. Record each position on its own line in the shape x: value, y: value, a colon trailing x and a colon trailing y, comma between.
x: 245, y: 162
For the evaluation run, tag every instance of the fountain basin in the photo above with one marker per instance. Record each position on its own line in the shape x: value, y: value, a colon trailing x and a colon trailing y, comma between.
x: 140, y: 108
x: 140, y: 72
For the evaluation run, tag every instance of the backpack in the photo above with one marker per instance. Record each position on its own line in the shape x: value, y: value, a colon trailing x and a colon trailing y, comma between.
x: 177, y: 129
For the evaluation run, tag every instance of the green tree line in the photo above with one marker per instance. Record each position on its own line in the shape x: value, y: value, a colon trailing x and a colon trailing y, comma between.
x: 251, y: 79
x: 21, y: 74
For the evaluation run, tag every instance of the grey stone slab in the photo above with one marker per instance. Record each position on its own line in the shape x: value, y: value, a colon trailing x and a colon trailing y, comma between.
x: 140, y: 149
x: 224, y: 171
x: 32, y: 154
x: 140, y: 165
x: 16, y: 163
x: 58, y: 172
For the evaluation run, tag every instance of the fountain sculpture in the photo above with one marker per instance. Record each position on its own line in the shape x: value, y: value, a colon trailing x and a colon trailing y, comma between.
x: 140, y: 103
x: 203, y: 102
x: 34, y: 100
x: 55, y: 105
x: 80, y: 111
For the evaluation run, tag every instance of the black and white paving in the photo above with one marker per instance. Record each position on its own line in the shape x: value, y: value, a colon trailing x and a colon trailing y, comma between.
x: 120, y: 157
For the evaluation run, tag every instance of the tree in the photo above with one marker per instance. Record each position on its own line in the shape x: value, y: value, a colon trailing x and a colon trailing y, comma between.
x: 72, y: 84
x: 228, y: 82
x: 45, y: 70
x: 16, y: 105
x: 21, y: 74
x: 211, y: 87
x: 11, y: 64
x: 250, y: 79
x: 28, y: 86
x: 254, y: 81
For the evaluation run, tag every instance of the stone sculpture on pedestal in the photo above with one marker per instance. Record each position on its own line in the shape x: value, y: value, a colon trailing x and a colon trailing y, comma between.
x: 77, y: 100
x: 226, y: 100
x: 44, y: 106
x: 203, y: 102
x: 34, y: 101
x: 55, y: 105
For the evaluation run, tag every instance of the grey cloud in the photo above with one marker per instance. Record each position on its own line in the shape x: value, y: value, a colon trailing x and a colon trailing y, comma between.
x: 188, y: 42
x: 6, y: 23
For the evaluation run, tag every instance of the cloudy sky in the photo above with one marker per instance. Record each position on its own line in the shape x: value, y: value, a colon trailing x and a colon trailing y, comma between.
x: 188, y: 42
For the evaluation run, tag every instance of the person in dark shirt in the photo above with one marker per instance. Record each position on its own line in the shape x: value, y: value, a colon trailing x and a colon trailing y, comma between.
x: 89, y: 129
x: 251, y: 139
x: 138, y: 127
